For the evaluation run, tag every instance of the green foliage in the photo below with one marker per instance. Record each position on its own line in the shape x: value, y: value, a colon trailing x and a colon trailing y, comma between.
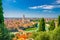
x: 59, y: 21
x: 11, y: 36
x: 35, y: 25
x: 50, y: 35
x: 34, y: 35
x: 30, y: 29
x: 42, y: 36
x: 56, y: 34
x: 41, y: 25
x: 4, y: 34
x: 1, y: 13
x: 52, y: 25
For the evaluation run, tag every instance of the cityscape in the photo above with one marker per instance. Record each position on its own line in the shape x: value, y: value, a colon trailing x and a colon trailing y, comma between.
x: 23, y: 22
x: 29, y: 19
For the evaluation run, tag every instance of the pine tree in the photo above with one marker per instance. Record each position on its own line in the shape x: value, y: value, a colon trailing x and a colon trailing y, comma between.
x: 41, y: 25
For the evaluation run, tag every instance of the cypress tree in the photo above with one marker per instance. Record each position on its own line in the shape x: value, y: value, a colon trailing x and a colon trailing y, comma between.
x: 4, y: 33
x: 41, y: 25
x: 52, y: 25
x: 1, y: 13
x: 59, y: 21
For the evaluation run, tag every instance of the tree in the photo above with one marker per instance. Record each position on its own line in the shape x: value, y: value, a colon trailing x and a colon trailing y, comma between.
x: 4, y: 33
x: 35, y: 25
x: 41, y: 25
x: 52, y: 25
x: 59, y: 21
x: 1, y: 13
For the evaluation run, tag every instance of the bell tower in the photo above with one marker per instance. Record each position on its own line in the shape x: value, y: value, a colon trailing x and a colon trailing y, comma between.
x: 23, y: 18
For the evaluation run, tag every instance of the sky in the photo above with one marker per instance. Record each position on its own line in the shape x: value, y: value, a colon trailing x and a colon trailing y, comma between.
x: 31, y: 8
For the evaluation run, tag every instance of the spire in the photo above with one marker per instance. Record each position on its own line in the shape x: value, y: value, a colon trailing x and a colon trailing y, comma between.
x: 23, y: 16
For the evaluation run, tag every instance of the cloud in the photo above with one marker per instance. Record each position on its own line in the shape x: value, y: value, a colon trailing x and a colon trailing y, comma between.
x: 35, y: 7
x: 46, y: 7
x: 42, y: 7
x: 56, y: 2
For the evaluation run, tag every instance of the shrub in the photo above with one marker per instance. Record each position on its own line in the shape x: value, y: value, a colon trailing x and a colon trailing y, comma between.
x: 56, y: 34
x: 42, y: 36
